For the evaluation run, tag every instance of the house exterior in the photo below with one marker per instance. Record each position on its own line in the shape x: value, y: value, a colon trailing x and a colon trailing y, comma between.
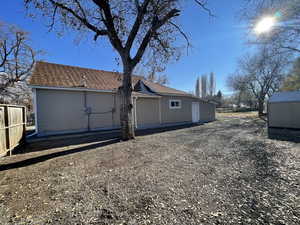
x: 284, y: 115
x: 71, y: 99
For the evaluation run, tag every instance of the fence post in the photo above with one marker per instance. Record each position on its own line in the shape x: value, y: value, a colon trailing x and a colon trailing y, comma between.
x: 24, y: 124
x: 6, y: 120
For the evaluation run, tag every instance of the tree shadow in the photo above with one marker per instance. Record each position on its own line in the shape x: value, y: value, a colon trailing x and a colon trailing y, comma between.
x: 260, y: 187
x: 58, y: 141
x: 146, y: 132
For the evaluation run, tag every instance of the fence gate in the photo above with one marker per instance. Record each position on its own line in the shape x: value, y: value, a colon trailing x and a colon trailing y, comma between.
x: 12, y: 127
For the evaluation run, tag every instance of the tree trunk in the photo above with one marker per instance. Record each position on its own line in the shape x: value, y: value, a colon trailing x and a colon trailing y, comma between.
x: 261, y: 102
x: 239, y: 100
x: 126, y: 116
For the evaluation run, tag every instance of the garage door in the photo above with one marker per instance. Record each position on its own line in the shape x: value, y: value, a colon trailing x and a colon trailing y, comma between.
x: 147, y: 112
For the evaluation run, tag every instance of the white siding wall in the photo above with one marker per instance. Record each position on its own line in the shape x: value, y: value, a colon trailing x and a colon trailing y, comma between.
x: 60, y: 111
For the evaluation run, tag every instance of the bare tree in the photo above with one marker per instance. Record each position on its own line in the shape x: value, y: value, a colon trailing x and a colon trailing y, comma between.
x: 16, y: 58
x: 212, y: 84
x: 204, y: 86
x: 285, y: 35
x: 162, y: 79
x: 151, y: 67
x: 292, y: 81
x: 197, y: 88
x: 151, y: 72
x: 237, y: 83
x: 159, y: 79
x: 261, y: 73
x: 131, y: 26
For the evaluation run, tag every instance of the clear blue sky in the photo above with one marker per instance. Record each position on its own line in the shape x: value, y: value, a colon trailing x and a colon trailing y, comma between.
x: 217, y: 43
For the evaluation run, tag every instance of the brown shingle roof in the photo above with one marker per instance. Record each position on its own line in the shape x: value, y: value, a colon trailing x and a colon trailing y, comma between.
x: 56, y: 75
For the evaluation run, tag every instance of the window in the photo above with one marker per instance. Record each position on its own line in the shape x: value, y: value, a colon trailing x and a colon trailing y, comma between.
x: 175, y: 104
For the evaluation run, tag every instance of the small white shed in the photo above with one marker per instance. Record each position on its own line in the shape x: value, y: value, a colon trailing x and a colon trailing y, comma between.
x: 284, y: 114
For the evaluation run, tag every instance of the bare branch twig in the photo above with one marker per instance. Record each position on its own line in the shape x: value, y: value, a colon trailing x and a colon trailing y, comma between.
x: 203, y: 5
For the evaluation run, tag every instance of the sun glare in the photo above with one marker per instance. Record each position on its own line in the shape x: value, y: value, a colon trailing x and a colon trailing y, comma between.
x: 265, y: 25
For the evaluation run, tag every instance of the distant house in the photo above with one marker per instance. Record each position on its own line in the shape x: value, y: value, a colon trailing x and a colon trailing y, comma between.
x: 284, y: 115
x: 71, y: 99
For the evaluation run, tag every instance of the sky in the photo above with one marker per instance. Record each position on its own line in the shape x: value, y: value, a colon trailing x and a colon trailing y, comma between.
x: 217, y: 43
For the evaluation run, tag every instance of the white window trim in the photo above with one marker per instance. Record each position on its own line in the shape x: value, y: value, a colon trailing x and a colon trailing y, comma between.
x: 174, y: 107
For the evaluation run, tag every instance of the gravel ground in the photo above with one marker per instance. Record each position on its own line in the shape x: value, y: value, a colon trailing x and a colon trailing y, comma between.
x: 225, y: 172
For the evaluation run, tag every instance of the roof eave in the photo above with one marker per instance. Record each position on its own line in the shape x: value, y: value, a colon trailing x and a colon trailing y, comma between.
x: 70, y: 89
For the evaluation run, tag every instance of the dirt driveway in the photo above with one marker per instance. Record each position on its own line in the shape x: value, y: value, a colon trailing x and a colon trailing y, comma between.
x: 225, y: 172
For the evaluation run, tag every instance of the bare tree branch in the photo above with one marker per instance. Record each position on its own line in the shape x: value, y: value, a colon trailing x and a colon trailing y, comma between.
x: 291, y: 48
x: 286, y: 34
x: 183, y: 34
x: 203, y: 5
x: 137, y: 24
x: 109, y: 23
x: 81, y: 19
x: 53, y: 19
x: 155, y: 26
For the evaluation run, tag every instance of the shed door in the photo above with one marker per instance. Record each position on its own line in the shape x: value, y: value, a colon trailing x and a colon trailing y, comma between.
x: 195, y: 112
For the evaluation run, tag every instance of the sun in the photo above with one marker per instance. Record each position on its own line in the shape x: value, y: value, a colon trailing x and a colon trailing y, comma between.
x: 265, y: 25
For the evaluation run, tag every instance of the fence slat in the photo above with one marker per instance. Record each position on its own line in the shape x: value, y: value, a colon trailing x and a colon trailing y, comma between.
x: 2, y: 132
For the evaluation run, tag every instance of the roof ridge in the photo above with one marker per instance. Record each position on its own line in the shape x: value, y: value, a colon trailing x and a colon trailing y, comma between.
x: 85, y: 68
x: 167, y: 87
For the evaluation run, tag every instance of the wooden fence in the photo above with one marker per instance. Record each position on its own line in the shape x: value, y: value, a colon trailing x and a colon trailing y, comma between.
x: 12, y: 127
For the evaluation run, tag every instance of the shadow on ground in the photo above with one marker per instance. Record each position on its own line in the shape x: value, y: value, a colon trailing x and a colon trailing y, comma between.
x: 63, y: 140
x: 260, y: 196
x: 91, y: 142
x: 42, y: 158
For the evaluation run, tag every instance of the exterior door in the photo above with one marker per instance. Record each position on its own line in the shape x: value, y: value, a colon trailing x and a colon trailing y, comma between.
x: 195, y: 112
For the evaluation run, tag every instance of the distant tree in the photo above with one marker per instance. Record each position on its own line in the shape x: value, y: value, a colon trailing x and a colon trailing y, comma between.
x: 130, y: 26
x: 211, y: 84
x: 159, y: 79
x: 198, y: 88
x: 261, y: 73
x: 292, y: 81
x: 203, y: 86
x: 151, y: 69
x: 219, y: 98
x: 162, y: 79
x: 246, y: 98
x: 153, y: 76
x: 237, y: 82
x: 17, y: 59
x: 285, y: 36
x: 219, y: 94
